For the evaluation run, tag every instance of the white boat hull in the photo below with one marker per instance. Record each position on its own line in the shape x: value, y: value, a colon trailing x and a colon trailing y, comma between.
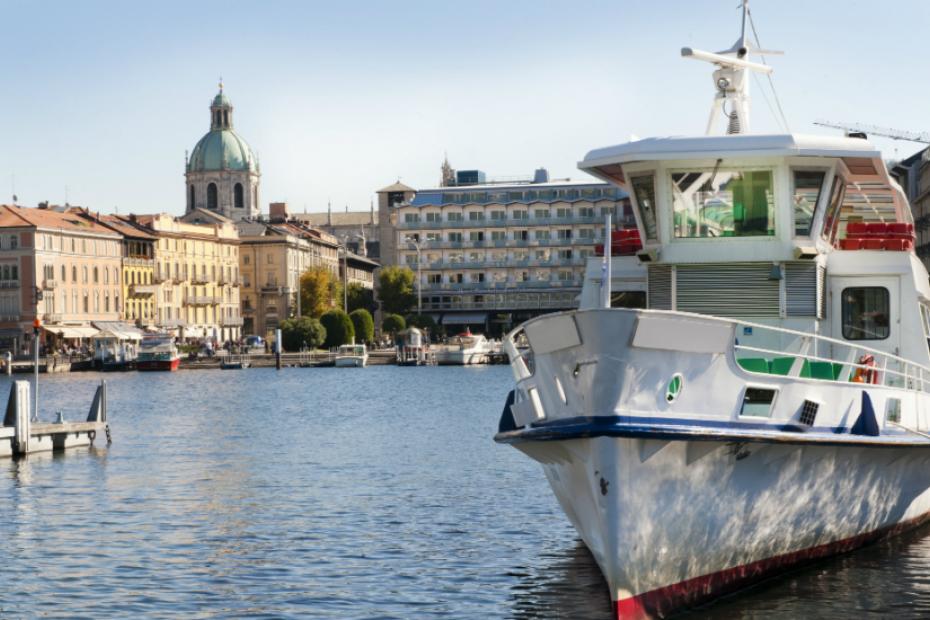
x: 461, y: 358
x: 351, y: 361
x: 673, y: 523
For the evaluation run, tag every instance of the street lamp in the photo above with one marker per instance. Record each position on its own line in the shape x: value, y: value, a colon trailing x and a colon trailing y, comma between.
x: 345, y: 275
x: 417, y: 244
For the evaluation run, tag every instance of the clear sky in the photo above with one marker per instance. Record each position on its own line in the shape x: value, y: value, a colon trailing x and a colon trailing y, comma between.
x: 101, y: 100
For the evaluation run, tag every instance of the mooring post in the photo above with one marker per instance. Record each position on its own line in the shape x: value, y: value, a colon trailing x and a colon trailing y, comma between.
x: 277, y: 349
x: 8, y: 357
x: 22, y: 424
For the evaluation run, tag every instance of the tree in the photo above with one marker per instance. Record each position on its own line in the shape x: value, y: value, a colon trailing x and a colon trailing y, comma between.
x: 393, y: 323
x: 361, y: 297
x: 423, y: 321
x: 320, y: 290
x: 395, y: 289
x: 339, y: 328
x: 300, y: 332
x: 364, y: 325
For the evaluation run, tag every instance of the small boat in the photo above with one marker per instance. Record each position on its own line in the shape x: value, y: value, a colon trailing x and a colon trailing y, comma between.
x: 158, y: 353
x: 235, y: 361
x: 351, y: 356
x: 463, y: 350
x: 768, y: 404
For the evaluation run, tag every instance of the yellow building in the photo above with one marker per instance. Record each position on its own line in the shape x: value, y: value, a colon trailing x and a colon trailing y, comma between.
x: 197, y: 277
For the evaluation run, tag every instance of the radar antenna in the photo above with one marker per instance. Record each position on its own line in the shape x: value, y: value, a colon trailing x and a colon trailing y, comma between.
x: 730, y: 78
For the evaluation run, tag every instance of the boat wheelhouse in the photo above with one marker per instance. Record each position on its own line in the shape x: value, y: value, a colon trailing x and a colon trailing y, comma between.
x: 351, y: 356
x: 770, y: 404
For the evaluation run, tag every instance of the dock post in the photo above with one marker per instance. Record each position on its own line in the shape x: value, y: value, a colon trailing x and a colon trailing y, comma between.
x: 8, y: 357
x: 277, y: 349
x: 35, y: 337
x: 17, y: 415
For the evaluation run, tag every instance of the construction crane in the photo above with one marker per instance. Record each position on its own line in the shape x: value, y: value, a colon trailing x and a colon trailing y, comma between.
x: 872, y: 130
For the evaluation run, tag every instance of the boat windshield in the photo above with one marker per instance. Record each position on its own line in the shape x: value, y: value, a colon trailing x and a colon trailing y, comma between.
x: 723, y: 203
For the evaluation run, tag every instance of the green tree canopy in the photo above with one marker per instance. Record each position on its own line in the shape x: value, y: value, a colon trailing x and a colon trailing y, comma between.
x: 320, y: 291
x: 395, y: 289
x: 423, y: 321
x: 300, y: 332
x: 364, y: 325
x: 361, y: 297
x: 393, y: 323
x: 339, y: 328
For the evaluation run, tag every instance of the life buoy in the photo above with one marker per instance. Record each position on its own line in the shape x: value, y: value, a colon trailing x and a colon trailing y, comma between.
x: 866, y: 375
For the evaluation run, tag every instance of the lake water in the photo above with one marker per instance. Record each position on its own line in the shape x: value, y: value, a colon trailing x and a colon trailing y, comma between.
x: 344, y: 493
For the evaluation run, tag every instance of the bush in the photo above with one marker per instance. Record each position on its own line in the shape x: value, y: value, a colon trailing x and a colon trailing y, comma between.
x: 305, y: 331
x: 339, y: 328
x: 393, y: 323
x: 364, y: 325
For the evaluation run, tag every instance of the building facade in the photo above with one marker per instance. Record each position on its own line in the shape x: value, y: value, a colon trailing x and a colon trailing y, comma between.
x: 197, y: 273
x: 913, y: 174
x: 357, y: 229
x: 74, y: 265
x: 492, y: 255
x: 222, y: 173
x: 273, y: 256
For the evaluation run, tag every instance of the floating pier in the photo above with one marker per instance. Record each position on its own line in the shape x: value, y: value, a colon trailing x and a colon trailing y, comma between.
x: 21, y: 435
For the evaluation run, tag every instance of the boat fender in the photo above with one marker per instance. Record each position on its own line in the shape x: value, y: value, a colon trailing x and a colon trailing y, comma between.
x: 507, y: 422
x: 866, y: 424
x: 91, y: 435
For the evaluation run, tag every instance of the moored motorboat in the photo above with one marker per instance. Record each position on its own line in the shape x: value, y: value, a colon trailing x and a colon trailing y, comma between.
x: 463, y: 350
x: 158, y: 353
x: 771, y: 403
x: 351, y: 356
x: 235, y: 361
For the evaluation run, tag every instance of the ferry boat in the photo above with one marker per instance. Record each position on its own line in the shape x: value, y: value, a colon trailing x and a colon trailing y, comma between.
x: 769, y: 406
x: 464, y: 349
x: 351, y: 356
x: 158, y: 353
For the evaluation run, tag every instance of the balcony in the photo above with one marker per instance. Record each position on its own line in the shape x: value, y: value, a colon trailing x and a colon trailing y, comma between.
x: 201, y: 278
x: 202, y: 300
x: 9, y: 318
x: 230, y: 321
x: 144, y: 290
x: 52, y: 318
x: 272, y: 289
x: 50, y: 285
x: 174, y: 323
x: 9, y: 283
x: 138, y: 261
x: 160, y: 276
x: 508, y: 223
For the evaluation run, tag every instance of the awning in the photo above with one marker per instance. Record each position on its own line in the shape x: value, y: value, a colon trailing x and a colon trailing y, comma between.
x: 119, y: 330
x: 465, y: 318
x: 71, y: 331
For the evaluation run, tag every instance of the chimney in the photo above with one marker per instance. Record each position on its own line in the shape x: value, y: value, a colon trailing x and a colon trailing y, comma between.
x: 278, y: 212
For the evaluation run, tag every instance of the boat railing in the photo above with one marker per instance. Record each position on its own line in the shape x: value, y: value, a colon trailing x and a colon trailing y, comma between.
x: 797, y: 354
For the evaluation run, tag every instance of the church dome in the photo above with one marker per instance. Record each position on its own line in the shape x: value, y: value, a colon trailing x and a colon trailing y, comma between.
x: 222, y: 148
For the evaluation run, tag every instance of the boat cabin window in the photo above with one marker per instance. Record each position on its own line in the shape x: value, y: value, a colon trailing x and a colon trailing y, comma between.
x: 831, y: 220
x: 628, y: 299
x: 723, y: 203
x: 866, y: 312
x: 807, y: 186
x: 644, y: 188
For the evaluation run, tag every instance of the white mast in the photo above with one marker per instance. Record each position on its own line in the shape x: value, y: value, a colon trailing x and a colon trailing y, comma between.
x: 731, y: 79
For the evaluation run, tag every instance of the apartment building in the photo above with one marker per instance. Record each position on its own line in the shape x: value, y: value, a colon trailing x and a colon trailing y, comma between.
x: 58, y: 267
x: 197, y: 273
x: 499, y: 253
x: 272, y: 257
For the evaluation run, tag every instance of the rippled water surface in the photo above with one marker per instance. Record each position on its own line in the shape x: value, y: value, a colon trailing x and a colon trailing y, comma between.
x: 346, y: 493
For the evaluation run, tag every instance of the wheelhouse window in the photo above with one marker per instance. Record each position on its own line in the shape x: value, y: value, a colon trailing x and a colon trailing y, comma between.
x: 807, y: 187
x: 723, y: 203
x: 644, y: 187
x: 831, y: 220
x: 866, y: 313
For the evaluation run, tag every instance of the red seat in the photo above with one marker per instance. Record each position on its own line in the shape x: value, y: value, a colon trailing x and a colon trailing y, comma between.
x: 850, y: 244
x: 877, y: 229
x: 898, y: 228
x: 856, y: 229
x: 873, y: 244
x: 895, y: 245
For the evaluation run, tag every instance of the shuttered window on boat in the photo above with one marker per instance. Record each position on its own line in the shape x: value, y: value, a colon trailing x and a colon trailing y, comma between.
x: 801, y: 289
x: 866, y: 313
x: 660, y: 287
x: 821, y: 292
x: 741, y: 290
x: 644, y: 190
x: 807, y: 185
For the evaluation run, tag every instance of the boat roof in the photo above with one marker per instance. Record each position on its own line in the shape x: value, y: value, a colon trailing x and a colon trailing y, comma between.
x: 761, y: 145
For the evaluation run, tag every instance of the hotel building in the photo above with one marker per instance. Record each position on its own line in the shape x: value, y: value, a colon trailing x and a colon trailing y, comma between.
x: 497, y: 252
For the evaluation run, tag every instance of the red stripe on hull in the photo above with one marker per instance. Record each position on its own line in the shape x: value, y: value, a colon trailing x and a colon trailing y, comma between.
x: 663, y: 601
